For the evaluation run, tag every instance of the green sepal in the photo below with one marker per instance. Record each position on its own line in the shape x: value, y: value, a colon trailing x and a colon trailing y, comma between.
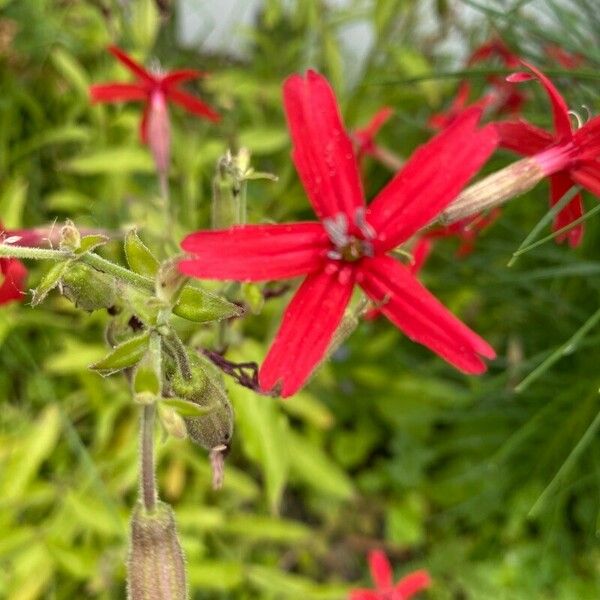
x: 141, y: 304
x: 139, y: 257
x: 125, y: 355
x: 200, y: 306
x: 91, y: 242
x: 253, y: 297
x: 88, y: 288
x: 172, y: 422
x: 169, y: 282
x: 185, y: 408
x: 50, y: 280
x: 145, y: 379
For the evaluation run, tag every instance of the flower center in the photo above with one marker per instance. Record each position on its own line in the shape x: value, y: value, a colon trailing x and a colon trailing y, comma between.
x: 349, y: 247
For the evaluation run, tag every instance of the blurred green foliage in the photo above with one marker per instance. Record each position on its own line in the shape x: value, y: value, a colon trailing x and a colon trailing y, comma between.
x: 495, y: 492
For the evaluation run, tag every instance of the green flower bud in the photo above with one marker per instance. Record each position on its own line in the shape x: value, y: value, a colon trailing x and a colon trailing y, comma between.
x: 156, y: 565
x: 70, y: 238
x: 88, y: 288
x: 214, y: 429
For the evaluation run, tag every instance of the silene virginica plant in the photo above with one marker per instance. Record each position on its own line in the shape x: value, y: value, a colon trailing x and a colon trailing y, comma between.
x: 356, y: 259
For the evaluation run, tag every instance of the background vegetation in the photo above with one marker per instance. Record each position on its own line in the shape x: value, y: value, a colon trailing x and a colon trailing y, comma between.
x: 491, y: 485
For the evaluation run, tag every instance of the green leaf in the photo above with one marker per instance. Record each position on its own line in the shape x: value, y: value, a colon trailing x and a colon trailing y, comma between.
x: 200, y: 306
x: 145, y: 21
x: 264, y: 140
x: 113, y: 161
x: 91, y: 242
x: 124, y: 355
x: 263, y: 433
x: 50, y: 280
x: 139, y: 257
x: 259, y: 527
x: 35, y: 447
x: 70, y: 68
x: 315, y: 468
x: 14, y: 196
x: 253, y: 297
x: 185, y: 408
x: 215, y: 575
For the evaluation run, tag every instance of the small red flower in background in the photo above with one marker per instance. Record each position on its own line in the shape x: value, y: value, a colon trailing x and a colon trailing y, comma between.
x: 506, y: 98
x: 458, y: 106
x: 565, y: 59
x: 466, y: 230
x: 364, y: 140
x: 567, y: 156
x: 155, y: 90
x: 351, y: 243
x: 385, y: 588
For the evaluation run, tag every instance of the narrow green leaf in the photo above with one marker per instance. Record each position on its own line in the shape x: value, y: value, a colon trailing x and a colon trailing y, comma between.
x: 547, y: 218
x: 185, y: 408
x: 200, y: 306
x: 113, y: 161
x: 124, y: 355
x: 139, y: 257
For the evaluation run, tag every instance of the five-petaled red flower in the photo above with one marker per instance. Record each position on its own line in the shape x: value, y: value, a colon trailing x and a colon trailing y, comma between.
x: 385, y: 588
x: 567, y: 156
x: 350, y: 244
x: 155, y: 89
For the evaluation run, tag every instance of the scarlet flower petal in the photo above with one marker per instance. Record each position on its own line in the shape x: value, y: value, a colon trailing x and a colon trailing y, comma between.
x: 13, y: 280
x: 377, y: 122
x: 306, y: 330
x: 421, y: 316
x: 431, y: 179
x: 381, y: 570
x: 181, y: 75
x: 560, y: 184
x: 192, y: 104
x: 560, y: 110
x: 117, y: 92
x: 588, y: 176
x: 133, y: 66
x: 364, y: 595
x: 523, y: 137
x: 412, y: 584
x: 255, y: 252
x: 420, y: 252
x: 322, y: 150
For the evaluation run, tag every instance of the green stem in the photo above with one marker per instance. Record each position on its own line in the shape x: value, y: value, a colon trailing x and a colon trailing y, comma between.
x: 147, y: 479
x: 94, y: 260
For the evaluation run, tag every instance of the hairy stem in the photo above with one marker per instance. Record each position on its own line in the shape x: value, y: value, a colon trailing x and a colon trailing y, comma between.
x: 94, y: 260
x: 147, y: 479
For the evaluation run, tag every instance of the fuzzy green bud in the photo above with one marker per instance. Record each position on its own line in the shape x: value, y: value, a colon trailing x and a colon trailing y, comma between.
x: 214, y: 429
x: 70, y: 238
x: 156, y: 565
x: 88, y: 288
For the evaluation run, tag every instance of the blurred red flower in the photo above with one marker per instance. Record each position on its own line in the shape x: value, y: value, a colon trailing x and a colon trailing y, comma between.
x: 385, y: 588
x: 155, y: 89
x: 569, y: 157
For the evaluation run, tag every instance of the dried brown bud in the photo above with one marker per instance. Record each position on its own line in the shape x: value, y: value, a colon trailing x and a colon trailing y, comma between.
x: 156, y: 565
x: 494, y: 190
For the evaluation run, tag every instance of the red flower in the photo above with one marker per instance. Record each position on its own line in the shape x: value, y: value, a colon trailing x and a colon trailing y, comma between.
x: 458, y: 106
x: 385, y: 589
x: 351, y: 243
x: 506, y: 98
x: 564, y: 58
x: 155, y: 89
x: 364, y: 137
x: 567, y: 156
